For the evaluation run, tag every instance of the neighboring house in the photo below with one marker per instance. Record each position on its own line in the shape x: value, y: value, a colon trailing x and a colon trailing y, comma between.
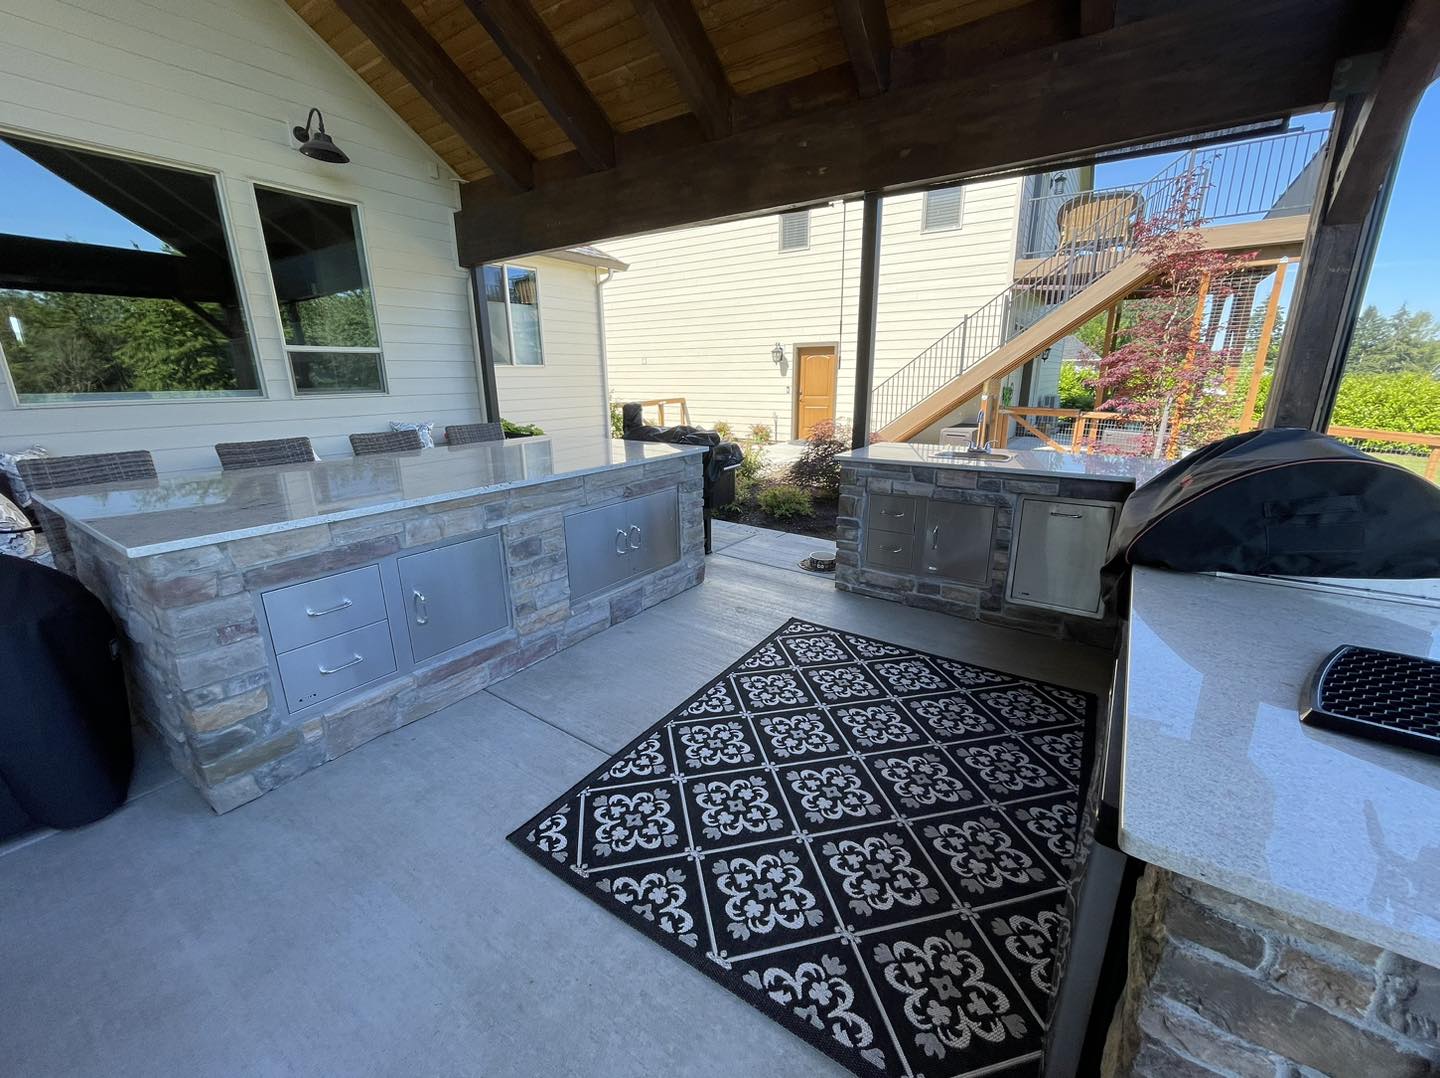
x: 753, y: 321
x: 248, y: 291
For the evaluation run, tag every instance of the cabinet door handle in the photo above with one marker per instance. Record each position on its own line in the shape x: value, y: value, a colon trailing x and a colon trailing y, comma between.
x: 622, y: 543
x: 932, y: 568
x: 1067, y: 516
x: 422, y: 609
x: 635, y: 537
x: 343, y: 604
x: 342, y: 666
x: 935, y: 537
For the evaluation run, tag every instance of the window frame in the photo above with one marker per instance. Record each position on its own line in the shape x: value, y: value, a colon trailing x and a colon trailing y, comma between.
x: 357, y: 209
x: 959, y: 225
x: 780, y: 241
x: 11, y: 397
x: 486, y: 344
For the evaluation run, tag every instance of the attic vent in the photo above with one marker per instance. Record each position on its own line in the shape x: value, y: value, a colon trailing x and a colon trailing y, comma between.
x: 943, y: 208
x: 795, y: 230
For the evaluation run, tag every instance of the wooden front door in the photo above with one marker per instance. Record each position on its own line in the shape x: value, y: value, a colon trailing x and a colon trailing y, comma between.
x: 816, y: 370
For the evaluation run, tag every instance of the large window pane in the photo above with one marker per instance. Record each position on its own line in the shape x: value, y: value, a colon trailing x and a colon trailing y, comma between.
x: 525, y: 315
x: 495, y: 314
x: 318, y: 269
x: 115, y: 280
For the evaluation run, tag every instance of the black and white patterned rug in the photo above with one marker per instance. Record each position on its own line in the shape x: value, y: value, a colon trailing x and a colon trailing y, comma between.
x: 868, y: 843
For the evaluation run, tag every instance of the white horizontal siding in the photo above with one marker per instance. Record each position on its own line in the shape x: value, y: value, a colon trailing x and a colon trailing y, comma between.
x: 217, y: 86
x: 700, y: 310
x: 565, y: 395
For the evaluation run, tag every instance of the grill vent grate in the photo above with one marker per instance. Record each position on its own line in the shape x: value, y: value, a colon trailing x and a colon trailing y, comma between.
x: 1378, y: 694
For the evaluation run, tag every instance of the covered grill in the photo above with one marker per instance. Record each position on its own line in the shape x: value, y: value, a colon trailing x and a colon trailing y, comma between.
x: 1283, y: 502
x: 722, y: 458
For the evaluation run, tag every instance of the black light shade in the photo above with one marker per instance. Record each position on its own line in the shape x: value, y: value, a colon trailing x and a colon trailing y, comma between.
x: 318, y: 145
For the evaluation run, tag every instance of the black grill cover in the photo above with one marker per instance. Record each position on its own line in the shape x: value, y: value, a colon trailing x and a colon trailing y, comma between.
x: 1283, y: 502
x: 65, y: 750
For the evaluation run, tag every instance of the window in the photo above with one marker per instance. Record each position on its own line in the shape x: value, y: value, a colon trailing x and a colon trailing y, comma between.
x: 795, y: 230
x: 116, y: 281
x: 512, y: 303
x: 317, y: 267
x: 943, y: 209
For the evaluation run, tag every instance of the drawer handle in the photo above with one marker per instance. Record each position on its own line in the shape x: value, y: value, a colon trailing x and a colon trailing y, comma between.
x: 343, y: 604
x: 622, y: 541
x: 342, y: 666
x: 888, y: 513
x: 932, y: 568
x: 1068, y: 516
x: 422, y: 610
x: 635, y: 537
x: 894, y: 549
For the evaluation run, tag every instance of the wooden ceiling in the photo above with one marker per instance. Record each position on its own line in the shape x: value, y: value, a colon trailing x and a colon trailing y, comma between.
x: 759, y: 44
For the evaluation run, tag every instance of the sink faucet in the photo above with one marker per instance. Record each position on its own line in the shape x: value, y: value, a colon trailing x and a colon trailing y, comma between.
x: 975, y: 434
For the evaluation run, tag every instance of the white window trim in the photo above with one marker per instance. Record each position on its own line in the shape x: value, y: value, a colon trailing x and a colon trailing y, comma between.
x: 510, y: 322
x: 285, y: 348
x: 959, y: 224
x: 780, y: 242
x: 12, y: 399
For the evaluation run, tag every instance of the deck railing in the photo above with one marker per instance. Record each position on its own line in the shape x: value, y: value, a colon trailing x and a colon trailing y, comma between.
x: 1255, y: 178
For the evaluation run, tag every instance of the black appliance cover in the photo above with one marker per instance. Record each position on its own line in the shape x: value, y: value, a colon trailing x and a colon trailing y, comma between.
x: 65, y: 749
x: 1282, y: 502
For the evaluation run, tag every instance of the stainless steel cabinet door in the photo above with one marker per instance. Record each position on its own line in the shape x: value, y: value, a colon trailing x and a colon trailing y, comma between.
x: 597, y: 547
x: 956, y: 542
x: 453, y: 594
x: 652, y: 528
x: 1058, y: 551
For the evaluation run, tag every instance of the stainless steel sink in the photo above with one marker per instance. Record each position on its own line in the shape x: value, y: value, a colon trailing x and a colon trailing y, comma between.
x: 976, y: 454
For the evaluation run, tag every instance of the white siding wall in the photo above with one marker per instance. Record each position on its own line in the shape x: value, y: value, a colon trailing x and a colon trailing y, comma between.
x: 566, y: 396
x: 699, y: 311
x: 217, y: 84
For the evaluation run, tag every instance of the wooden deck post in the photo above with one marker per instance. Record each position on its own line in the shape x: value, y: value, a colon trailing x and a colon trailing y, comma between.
x: 1262, y: 347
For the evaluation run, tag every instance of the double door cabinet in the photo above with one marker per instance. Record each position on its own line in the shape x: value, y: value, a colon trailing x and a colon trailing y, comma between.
x: 612, y: 544
x: 1057, y: 549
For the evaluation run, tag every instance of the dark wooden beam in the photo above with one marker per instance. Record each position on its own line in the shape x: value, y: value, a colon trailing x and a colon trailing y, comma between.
x: 867, y: 317
x: 1096, y: 16
x: 1212, y: 65
x: 1406, y: 71
x: 680, y: 39
x: 40, y: 265
x: 528, y: 45
x: 428, y: 67
x: 866, y: 29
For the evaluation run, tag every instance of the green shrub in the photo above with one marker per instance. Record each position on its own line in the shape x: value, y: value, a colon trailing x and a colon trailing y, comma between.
x: 519, y: 430
x: 751, y: 465
x: 1401, y: 401
x: 817, y: 467
x: 1076, y: 388
x: 725, y: 430
x: 617, y: 420
x: 784, y: 502
x: 761, y: 433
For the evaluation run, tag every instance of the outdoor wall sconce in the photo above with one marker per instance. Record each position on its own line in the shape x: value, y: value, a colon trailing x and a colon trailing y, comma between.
x: 318, y: 145
x: 778, y: 353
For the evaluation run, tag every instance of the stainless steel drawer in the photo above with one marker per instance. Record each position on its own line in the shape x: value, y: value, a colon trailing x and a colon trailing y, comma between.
x: 888, y: 512
x: 319, y: 671
x: 303, y: 613
x: 956, y: 541
x: 1058, y: 551
x: 453, y: 594
x: 888, y: 550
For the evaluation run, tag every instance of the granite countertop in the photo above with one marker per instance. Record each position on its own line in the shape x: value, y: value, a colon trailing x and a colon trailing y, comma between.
x: 1037, y: 462
x: 175, y: 512
x: 1222, y: 783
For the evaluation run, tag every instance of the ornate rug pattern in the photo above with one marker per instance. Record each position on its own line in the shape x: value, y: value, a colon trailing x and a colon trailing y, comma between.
x: 868, y: 843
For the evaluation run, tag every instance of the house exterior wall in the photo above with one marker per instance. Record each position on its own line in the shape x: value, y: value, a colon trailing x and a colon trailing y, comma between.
x: 565, y: 395
x: 216, y: 86
x: 699, y: 310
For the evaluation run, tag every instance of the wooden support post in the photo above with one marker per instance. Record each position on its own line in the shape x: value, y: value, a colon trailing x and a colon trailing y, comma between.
x: 869, y: 299
x: 1262, y: 347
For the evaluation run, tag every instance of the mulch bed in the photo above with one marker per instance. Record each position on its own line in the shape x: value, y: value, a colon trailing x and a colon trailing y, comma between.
x: 819, y: 525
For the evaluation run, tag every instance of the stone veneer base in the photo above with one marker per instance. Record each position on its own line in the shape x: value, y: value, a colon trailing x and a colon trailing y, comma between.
x: 985, y: 602
x: 196, y: 663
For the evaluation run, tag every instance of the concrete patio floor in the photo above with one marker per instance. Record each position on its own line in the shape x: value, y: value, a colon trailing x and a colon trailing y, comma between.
x: 370, y: 919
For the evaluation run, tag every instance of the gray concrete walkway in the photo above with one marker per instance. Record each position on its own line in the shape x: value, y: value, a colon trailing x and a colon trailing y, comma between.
x: 766, y: 546
x: 369, y: 919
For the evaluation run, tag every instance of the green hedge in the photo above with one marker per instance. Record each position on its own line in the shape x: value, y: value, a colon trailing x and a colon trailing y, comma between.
x: 1407, y: 402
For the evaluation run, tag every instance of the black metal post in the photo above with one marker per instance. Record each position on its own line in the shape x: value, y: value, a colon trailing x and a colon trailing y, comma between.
x: 489, y: 394
x: 865, y: 336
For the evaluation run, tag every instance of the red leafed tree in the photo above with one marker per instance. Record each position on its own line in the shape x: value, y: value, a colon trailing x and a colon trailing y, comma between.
x: 1167, y: 376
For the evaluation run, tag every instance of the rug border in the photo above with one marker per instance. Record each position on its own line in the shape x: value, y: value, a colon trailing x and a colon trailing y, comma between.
x: 781, y: 1015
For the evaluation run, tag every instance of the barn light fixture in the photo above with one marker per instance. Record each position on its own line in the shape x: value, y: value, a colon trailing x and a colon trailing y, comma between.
x: 318, y: 145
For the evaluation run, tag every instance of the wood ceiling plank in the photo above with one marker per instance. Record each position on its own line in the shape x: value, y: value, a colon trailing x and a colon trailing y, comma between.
x: 419, y: 57
x: 527, y: 43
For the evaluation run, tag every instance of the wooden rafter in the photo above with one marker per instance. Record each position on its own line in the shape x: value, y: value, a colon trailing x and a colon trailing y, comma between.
x: 1407, y: 70
x: 1255, y: 58
x: 680, y: 39
x: 400, y: 38
x: 527, y: 43
x: 866, y: 29
x: 1096, y: 16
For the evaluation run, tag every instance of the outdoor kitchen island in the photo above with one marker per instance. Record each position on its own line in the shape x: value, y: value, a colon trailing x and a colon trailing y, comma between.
x: 276, y: 618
